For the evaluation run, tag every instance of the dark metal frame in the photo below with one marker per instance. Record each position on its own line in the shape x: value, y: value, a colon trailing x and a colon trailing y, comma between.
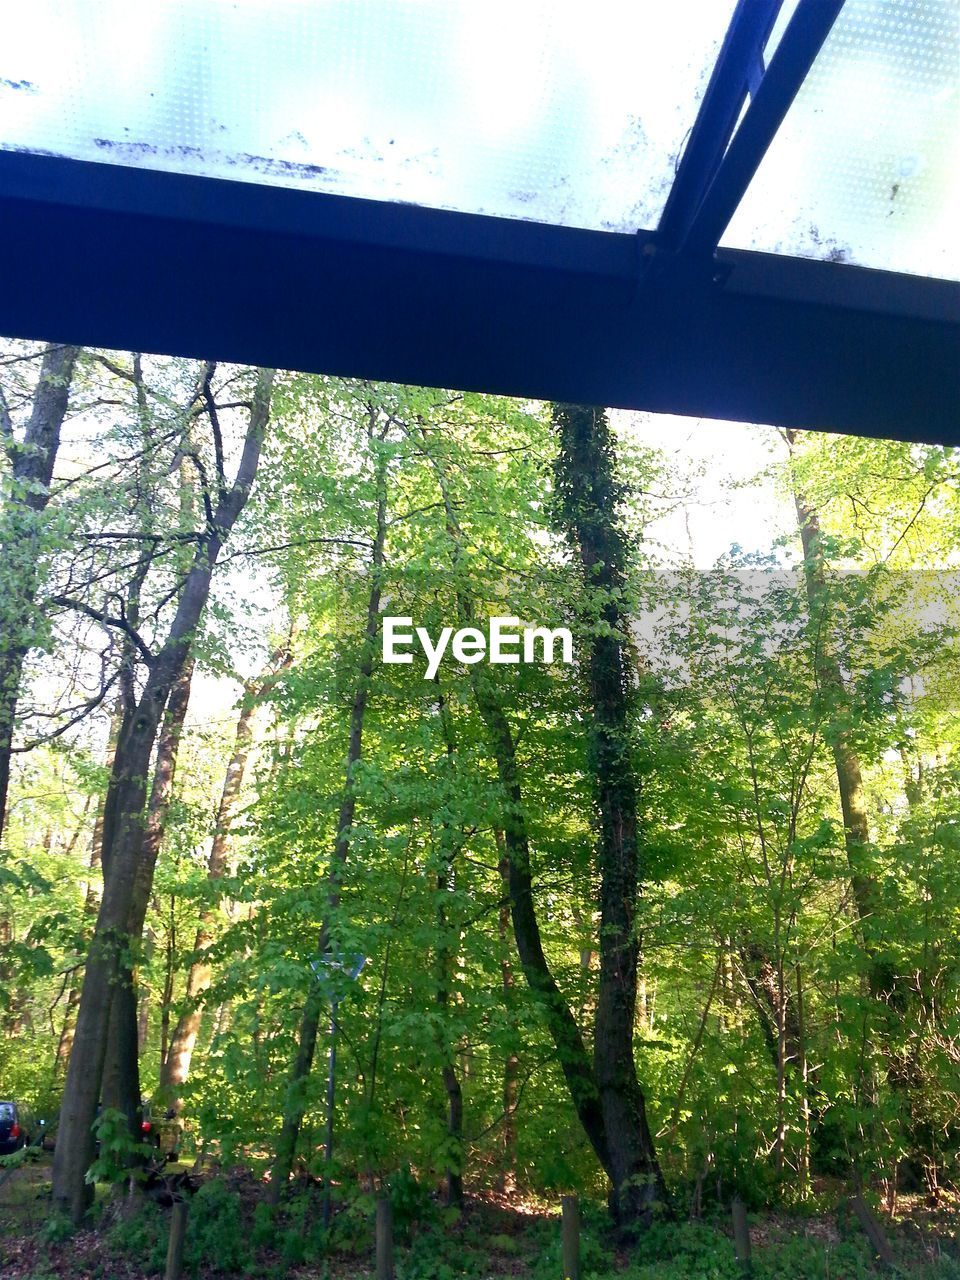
x: 143, y: 260
x: 722, y: 156
x: 736, y: 73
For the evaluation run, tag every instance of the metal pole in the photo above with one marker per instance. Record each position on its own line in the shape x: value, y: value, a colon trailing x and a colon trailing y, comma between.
x: 331, y: 1097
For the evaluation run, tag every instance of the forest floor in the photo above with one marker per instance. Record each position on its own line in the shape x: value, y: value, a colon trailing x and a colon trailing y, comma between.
x: 494, y: 1237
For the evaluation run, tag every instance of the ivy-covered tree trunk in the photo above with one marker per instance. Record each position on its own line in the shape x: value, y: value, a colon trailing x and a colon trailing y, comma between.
x: 124, y: 824
x: 31, y: 462
x: 588, y: 498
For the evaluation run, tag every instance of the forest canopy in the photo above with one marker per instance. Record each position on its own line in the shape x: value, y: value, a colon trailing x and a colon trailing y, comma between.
x: 675, y: 922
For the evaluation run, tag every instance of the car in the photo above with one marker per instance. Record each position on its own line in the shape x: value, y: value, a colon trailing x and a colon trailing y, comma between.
x: 16, y: 1127
x: 162, y: 1133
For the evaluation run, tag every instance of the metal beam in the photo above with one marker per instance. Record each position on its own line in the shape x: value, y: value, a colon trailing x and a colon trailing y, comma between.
x: 138, y: 260
x: 779, y: 85
x: 735, y: 69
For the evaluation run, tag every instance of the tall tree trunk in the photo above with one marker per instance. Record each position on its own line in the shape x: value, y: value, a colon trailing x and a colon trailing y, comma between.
x: 175, y: 1066
x: 856, y: 825
x: 507, y: 1174
x: 121, y: 1071
x: 448, y: 1070
x: 446, y: 884
x: 562, y: 1027
x: 572, y: 1055
x: 888, y: 992
x: 31, y: 463
x: 91, y: 900
x: 124, y: 827
x: 295, y: 1104
x: 588, y: 500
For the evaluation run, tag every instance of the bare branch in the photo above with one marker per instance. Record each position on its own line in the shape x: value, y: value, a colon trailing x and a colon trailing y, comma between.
x: 106, y: 620
x: 90, y: 705
x: 215, y: 427
x: 127, y: 374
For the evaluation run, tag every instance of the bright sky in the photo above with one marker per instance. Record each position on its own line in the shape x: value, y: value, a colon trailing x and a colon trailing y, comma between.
x: 731, y: 502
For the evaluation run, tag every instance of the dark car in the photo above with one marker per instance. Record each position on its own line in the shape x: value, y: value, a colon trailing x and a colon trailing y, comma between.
x: 16, y: 1127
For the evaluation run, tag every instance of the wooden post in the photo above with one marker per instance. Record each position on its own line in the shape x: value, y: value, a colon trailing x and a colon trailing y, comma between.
x: 384, y: 1239
x: 741, y: 1234
x: 178, y: 1235
x: 570, y: 1237
x: 873, y: 1231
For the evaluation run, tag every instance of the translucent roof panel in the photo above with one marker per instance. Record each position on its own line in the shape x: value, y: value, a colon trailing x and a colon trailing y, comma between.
x: 866, y: 166
x: 552, y: 110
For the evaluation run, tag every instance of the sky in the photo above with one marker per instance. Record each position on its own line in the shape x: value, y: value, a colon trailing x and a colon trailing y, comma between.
x: 731, y: 503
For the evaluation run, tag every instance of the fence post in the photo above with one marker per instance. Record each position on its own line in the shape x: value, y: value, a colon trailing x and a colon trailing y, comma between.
x: 741, y: 1234
x: 384, y: 1239
x: 570, y: 1237
x: 178, y: 1234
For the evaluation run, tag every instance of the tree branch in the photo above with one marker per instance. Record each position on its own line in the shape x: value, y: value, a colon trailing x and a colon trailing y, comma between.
x: 106, y: 620
x: 215, y: 427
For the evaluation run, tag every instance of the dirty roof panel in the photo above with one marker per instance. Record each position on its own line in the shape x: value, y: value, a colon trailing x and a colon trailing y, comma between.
x: 866, y: 166
x: 550, y: 110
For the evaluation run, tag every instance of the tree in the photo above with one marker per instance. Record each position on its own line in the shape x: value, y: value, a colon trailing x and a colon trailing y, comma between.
x: 588, y: 497
x: 126, y: 798
x: 32, y: 460
x: 176, y: 1063
x: 306, y: 1046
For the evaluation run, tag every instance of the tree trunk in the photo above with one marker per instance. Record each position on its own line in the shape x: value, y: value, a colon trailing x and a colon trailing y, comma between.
x: 561, y: 1025
x: 176, y: 1062
x: 31, y: 464
x: 451, y: 1081
x: 856, y: 826
x: 507, y: 1176
x: 589, y: 496
x: 295, y: 1104
x: 571, y: 1052
x: 91, y: 902
x: 124, y: 829
x: 446, y: 884
x: 121, y: 1072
